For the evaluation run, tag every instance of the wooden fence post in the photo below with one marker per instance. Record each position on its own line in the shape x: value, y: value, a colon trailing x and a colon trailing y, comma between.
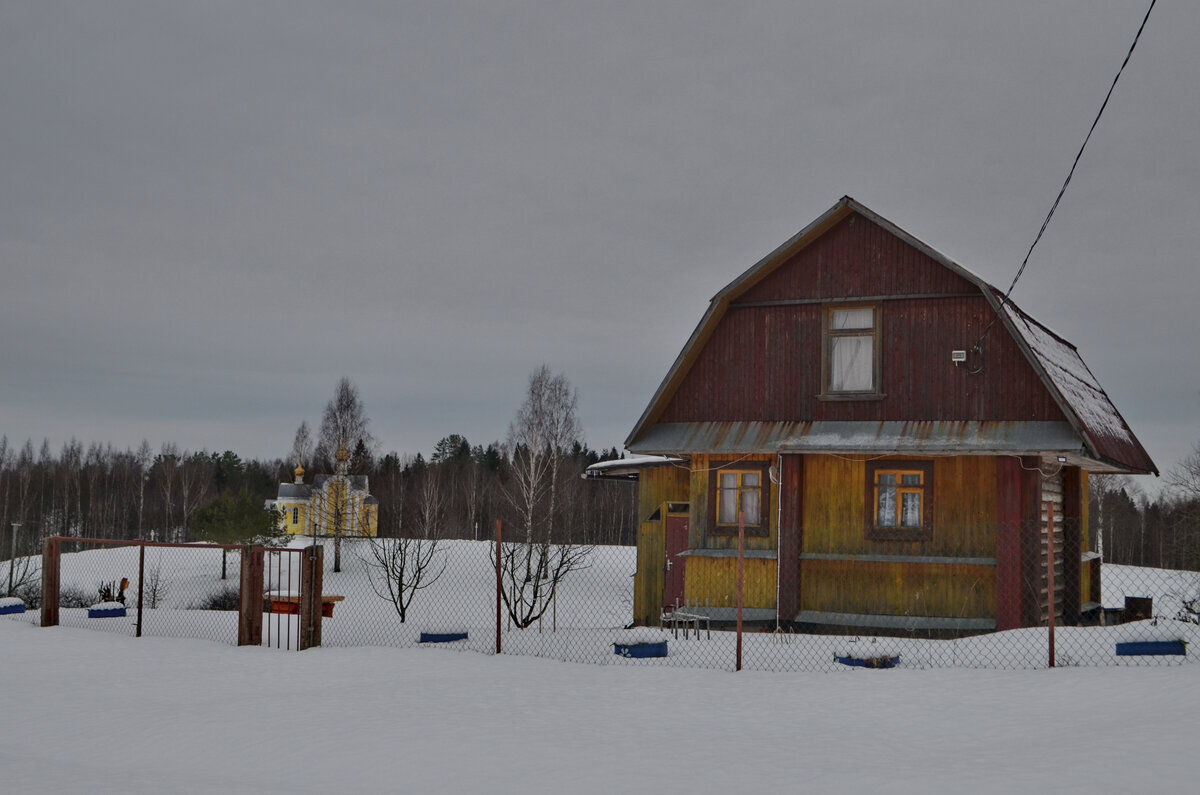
x: 51, y: 553
x: 250, y: 603
x: 312, y: 571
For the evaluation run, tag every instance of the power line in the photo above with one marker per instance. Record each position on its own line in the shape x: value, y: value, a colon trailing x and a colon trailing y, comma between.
x: 1071, y: 173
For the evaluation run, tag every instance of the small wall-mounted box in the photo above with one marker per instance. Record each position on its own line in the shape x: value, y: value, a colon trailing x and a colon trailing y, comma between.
x: 958, y: 357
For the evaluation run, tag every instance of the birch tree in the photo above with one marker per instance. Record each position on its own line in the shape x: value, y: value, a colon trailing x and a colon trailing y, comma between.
x: 539, y: 439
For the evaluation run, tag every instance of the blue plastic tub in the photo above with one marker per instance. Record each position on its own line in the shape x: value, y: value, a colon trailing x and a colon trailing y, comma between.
x: 640, y: 649
x: 442, y: 637
x: 869, y: 662
x: 15, y: 607
x: 1151, y: 648
x: 106, y: 612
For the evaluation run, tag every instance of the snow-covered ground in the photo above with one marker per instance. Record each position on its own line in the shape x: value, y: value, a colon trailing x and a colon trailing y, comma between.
x: 97, y: 712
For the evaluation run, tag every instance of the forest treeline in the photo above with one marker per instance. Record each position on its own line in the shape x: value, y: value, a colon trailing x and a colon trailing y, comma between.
x: 99, y: 491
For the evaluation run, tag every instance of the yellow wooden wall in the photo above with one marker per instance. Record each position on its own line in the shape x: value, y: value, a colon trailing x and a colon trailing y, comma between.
x: 657, y: 486
x: 713, y: 582
x: 898, y: 589
x: 701, y: 476
x: 964, y: 508
x: 835, y: 524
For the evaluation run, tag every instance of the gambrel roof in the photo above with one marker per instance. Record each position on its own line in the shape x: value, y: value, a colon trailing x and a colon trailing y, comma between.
x: 1094, y: 435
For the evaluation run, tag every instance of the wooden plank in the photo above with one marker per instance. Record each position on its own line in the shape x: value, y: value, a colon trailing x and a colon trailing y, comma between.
x: 899, y: 589
x: 713, y: 581
x: 51, y: 562
x: 312, y: 571
x: 791, y: 502
x: 250, y: 605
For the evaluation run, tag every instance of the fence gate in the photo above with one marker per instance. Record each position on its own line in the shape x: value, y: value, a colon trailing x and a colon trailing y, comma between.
x: 287, y: 603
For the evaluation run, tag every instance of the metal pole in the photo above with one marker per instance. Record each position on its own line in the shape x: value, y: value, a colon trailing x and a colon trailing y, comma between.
x: 499, y: 584
x: 1050, y: 606
x: 12, y: 557
x: 741, y: 579
x: 141, y: 582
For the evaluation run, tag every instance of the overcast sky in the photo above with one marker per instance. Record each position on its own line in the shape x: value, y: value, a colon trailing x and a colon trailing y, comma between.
x: 210, y: 212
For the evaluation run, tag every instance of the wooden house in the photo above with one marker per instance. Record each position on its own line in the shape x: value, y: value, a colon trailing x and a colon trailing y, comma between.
x: 895, y: 434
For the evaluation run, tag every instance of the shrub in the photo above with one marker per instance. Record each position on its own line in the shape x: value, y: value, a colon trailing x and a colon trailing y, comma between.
x: 228, y: 598
x: 74, y: 596
x: 30, y: 593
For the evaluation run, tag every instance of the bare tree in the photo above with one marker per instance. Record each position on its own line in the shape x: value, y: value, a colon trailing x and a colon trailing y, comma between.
x: 400, y: 567
x: 343, y: 428
x: 539, y: 440
x: 1183, y: 486
x: 302, y: 444
x: 145, y: 459
x: 165, y: 466
x: 343, y: 424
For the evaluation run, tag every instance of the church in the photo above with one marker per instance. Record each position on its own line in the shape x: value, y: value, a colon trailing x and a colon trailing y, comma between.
x: 338, y: 504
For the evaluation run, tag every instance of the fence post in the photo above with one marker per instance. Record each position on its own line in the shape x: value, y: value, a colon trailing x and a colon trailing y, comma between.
x: 51, y: 550
x: 312, y: 570
x: 141, y: 584
x: 499, y: 582
x: 250, y: 602
x: 741, y: 582
x: 1050, y: 606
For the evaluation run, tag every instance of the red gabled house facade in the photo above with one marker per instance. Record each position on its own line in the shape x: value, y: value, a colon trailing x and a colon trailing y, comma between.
x: 895, y: 435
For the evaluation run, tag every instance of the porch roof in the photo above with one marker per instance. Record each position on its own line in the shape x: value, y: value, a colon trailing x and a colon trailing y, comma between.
x: 901, y: 438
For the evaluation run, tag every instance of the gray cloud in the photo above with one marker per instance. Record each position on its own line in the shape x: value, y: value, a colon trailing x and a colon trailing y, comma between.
x: 211, y: 212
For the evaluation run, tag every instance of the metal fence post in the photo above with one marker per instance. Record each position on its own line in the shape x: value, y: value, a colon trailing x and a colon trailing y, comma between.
x: 741, y: 583
x: 1050, y: 584
x: 499, y: 582
x: 141, y: 584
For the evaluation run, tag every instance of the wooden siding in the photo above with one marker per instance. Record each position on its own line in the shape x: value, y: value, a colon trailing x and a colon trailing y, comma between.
x: 713, y: 582
x: 657, y: 486
x: 950, y: 575
x: 899, y: 589
x: 853, y: 253
x: 648, y: 581
x: 964, y: 508
x: 702, y: 535
x: 763, y: 359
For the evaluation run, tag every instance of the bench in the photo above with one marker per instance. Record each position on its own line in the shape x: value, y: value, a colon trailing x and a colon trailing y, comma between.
x: 289, y: 604
x: 689, y: 621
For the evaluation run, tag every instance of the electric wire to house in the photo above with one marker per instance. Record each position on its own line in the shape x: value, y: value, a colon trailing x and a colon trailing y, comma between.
x: 978, y: 346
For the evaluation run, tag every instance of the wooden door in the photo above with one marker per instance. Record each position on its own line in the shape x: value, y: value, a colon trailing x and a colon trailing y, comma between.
x: 676, y: 543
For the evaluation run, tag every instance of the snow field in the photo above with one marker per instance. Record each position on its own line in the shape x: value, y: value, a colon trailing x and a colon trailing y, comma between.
x: 96, y: 712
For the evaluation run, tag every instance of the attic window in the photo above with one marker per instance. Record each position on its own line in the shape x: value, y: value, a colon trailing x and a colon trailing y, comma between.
x: 851, y: 353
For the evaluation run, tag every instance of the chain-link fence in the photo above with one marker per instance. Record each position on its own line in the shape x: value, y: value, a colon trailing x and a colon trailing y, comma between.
x: 577, y: 603
x: 139, y: 588
x: 823, y: 612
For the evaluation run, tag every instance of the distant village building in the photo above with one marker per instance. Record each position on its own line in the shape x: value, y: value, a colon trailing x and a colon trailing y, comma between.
x: 338, y: 504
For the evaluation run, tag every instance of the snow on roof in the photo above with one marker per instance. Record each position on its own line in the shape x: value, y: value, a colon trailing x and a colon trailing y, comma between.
x: 626, y: 466
x: 1072, y: 378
